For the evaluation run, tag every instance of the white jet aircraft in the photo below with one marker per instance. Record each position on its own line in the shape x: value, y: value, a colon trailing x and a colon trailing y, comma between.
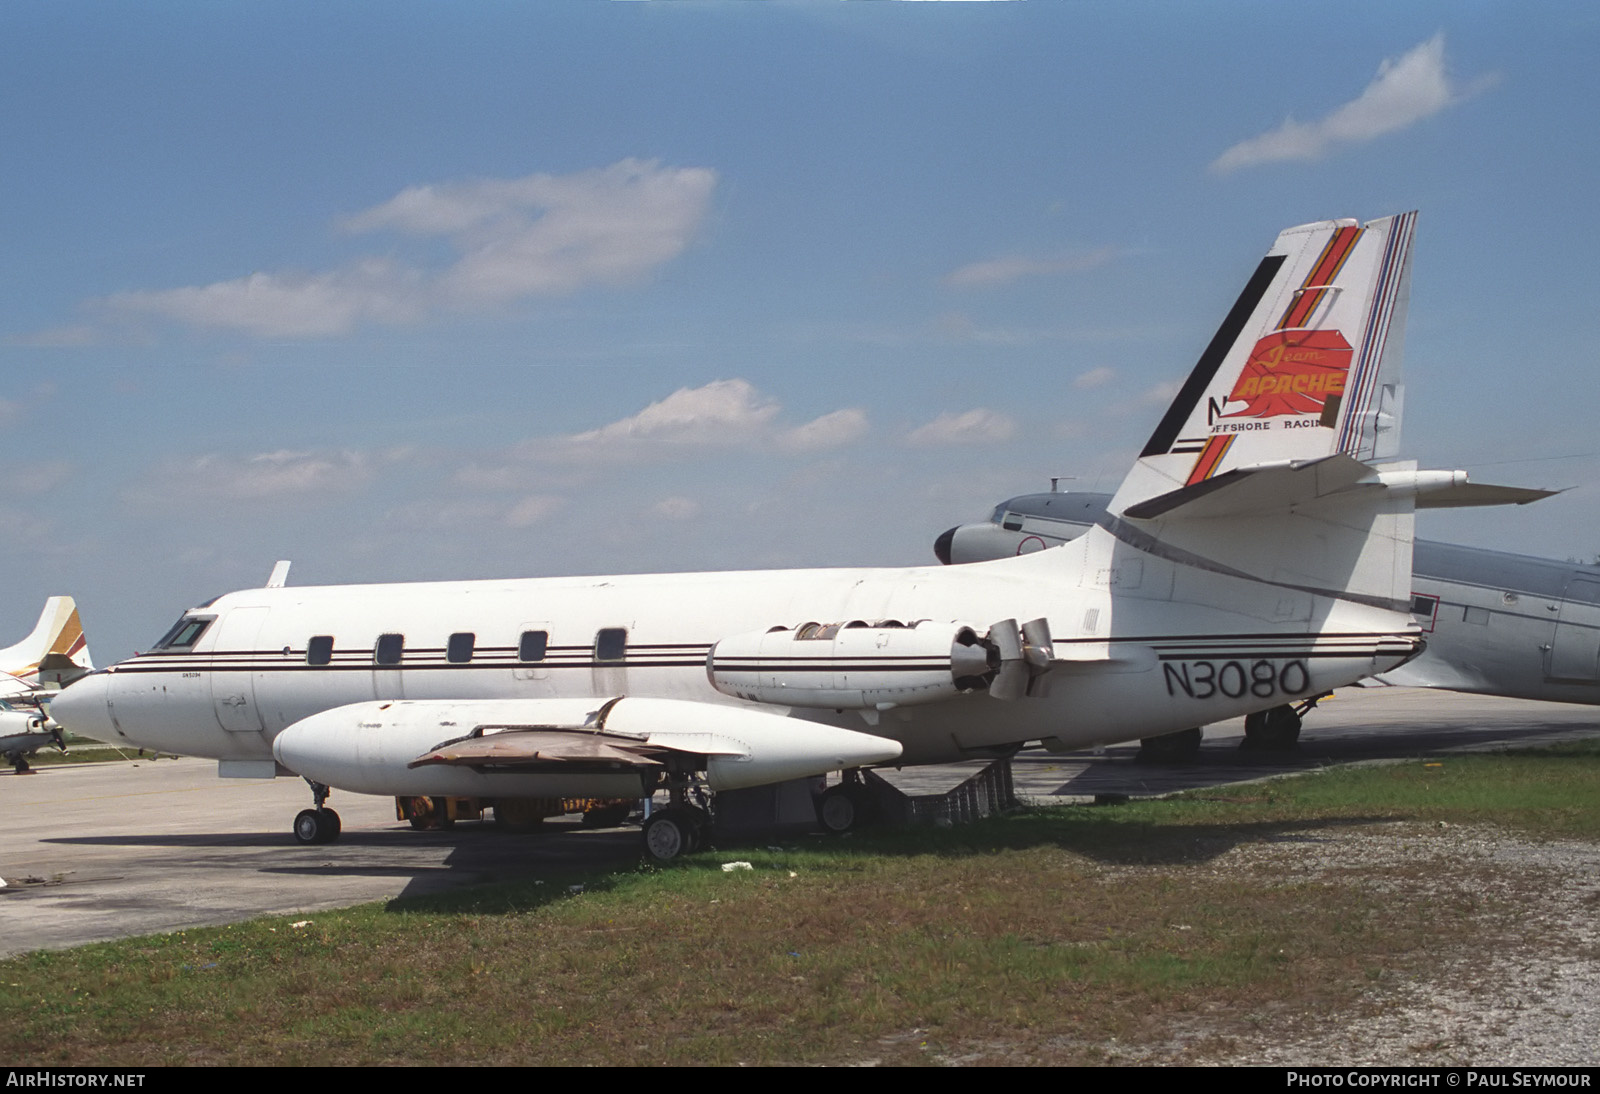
x: 1259, y: 551
x: 31, y: 672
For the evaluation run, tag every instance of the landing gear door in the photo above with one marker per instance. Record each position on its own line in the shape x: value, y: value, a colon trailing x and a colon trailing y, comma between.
x: 233, y: 650
x: 1575, y: 651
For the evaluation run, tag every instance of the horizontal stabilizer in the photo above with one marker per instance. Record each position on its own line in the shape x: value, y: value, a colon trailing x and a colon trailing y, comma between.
x: 1266, y: 488
x: 1288, y: 487
x: 1473, y: 493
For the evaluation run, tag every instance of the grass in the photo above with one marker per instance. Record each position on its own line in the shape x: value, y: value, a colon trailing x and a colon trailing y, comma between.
x: 1068, y: 935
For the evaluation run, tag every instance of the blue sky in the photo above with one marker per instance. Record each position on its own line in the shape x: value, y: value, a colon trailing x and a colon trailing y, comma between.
x: 420, y: 290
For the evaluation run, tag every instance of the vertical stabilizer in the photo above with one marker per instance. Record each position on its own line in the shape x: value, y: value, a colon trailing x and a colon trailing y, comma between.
x: 1305, y: 366
x: 55, y: 652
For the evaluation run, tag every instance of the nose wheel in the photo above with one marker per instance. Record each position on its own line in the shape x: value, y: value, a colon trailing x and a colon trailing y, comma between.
x: 316, y: 826
x: 319, y: 824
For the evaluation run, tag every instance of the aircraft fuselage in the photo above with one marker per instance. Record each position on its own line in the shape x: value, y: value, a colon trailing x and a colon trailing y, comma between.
x: 1143, y: 660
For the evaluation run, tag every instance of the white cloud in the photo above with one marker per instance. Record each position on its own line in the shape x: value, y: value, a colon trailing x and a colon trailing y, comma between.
x: 24, y: 527
x: 713, y: 419
x: 721, y: 412
x: 829, y: 431
x: 251, y: 478
x: 1095, y: 377
x: 980, y: 426
x: 1406, y: 90
x: 676, y: 508
x: 1004, y: 270
x: 1162, y: 393
x: 541, y: 235
x: 36, y: 478
x: 291, y: 305
x: 532, y: 509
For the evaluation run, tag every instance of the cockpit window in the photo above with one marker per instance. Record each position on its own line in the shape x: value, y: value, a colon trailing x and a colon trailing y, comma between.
x: 185, y: 632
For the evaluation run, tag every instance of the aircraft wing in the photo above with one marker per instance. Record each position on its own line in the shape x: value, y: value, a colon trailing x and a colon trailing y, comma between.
x: 543, y: 749
x: 13, y: 688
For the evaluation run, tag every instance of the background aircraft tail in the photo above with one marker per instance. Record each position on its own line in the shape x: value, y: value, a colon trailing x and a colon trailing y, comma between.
x: 57, y: 651
x: 1272, y: 462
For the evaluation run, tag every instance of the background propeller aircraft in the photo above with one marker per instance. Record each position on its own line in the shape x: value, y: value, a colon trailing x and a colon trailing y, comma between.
x: 1258, y: 552
x: 31, y: 672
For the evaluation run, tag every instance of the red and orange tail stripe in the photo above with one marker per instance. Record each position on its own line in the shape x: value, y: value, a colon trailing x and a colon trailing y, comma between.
x: 1211, y: 455
x: 1322, y: 274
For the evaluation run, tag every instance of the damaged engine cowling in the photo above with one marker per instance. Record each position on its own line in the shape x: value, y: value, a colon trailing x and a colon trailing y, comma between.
x: 862, y: 666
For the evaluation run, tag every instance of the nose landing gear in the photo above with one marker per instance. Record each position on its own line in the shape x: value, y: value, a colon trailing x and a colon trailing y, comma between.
x: 319, y: 824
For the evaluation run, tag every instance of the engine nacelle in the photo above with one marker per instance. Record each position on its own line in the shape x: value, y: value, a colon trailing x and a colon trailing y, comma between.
x: 20, y: 721
x: 852, y: 666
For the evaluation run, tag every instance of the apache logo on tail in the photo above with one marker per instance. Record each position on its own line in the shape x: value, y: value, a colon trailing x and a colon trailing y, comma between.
x: 1294, y: 372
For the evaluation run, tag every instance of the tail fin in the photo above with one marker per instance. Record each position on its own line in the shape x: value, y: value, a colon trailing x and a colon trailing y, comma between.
x: 1306, y: 365
x: 57, y: 651
x: 1274, y: 463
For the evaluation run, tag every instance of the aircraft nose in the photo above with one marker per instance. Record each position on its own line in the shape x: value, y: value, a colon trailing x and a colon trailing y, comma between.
x: 941, y: 546
x: 81, y: 707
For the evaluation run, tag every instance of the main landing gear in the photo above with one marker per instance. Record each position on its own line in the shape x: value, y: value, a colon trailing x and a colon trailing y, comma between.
x: 319, y: 824
x: 845, y: 806
x: 1278, y: 729
x: 681, y: 827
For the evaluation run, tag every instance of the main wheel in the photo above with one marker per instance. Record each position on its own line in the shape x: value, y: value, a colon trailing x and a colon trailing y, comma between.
x: 330, y: 825
x: 699, y: 822
x: 307, y: 828
x: 667, y: 835
x: 1275, y: 730
x: 839, y: 809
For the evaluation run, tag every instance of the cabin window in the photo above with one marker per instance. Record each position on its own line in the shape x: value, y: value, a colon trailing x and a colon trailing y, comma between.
x: 389, y: 649
x: 1423, y: 605
x: 532, y: 645
x: 1012, y: 522
x: 1475, y: 615
x: 184, y: 633
x: 319, y: 650
x: 611, y: 644
x: 459, y: 651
